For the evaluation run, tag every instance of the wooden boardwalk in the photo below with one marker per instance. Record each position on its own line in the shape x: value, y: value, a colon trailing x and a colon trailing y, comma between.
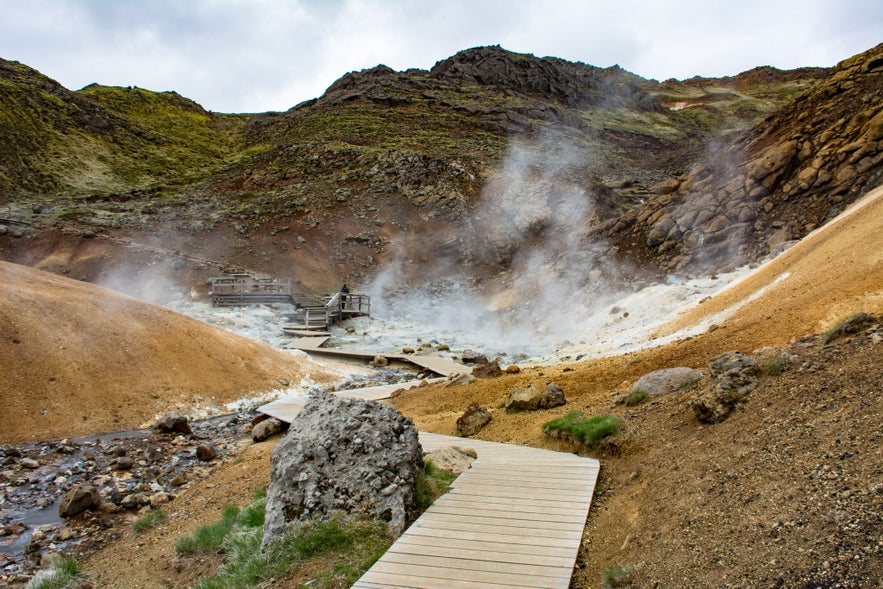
x: 313, y: 345
x: 513, y: 520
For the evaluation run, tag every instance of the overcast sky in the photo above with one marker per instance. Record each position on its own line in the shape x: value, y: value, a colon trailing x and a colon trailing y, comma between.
x: 259, y: 55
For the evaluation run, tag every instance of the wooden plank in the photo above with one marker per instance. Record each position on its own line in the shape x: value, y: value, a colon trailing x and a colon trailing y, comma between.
x: 309, y: 343
x: 303, y: 331
x: 479, y: 547
x: 438, y: 365
x: 525, y: 515
x: 484, y: 566
x: 483, y: 490
x: 485, y: 553
x: 413, y: 581
x: 479, y: 578
x: 525, y: 481
x: 567, y: 543
x: 532, y: 526
x: 284, y: 409
x: 472, y: 502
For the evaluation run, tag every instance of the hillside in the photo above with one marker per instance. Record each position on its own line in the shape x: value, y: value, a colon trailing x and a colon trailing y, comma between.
x: 78, y: 359
x: 337, y: 187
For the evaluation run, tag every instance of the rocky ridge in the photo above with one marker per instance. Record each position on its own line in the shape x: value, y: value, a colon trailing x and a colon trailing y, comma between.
x: 777, y: 182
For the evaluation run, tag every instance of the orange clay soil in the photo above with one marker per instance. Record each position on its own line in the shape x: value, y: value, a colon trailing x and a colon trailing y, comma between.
x: 77, y: 359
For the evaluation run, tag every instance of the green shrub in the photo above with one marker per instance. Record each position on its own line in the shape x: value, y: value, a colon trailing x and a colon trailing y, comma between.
x: 636, y: 397
x: 584, y: 431
x: 148, y: 521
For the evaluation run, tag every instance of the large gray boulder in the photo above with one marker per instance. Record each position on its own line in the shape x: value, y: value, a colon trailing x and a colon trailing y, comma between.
x: 667, y: 380
x: 347, y: 455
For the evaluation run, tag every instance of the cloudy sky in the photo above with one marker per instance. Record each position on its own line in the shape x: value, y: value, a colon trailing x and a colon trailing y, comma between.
x: 259, y: 55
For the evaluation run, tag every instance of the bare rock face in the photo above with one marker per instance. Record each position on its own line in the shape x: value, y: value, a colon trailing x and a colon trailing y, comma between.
x: 734, y: 376
x: 473, y: 419
x: 667, y: 380
x: 79, y: 499
x: 345, y: 455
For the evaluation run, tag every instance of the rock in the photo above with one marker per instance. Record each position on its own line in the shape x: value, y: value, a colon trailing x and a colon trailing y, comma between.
x: 734, y: 376
x: 457, y: 378
x: 88, y: 234
x: 379, y: 361
x: 524, y: 399
x: 667, y: 380
x: 124, y: 463
x: 348, y: 455
x: 473, y: 419
x: 178, y: 480
x: 266, y: 428
x: 134, y: 501
x: 29, y: 463
x: 472, y: 357
x: 553, y: 397
x: 453, y: 458
x: 512, y: 369
x: 172, y: 423
x: 206, y: 452
x: 488, y: 370
x: 158, y: 499
x: 79, y: 499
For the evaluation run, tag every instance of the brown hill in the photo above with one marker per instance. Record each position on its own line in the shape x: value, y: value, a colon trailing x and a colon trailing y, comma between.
x: 79, y: 359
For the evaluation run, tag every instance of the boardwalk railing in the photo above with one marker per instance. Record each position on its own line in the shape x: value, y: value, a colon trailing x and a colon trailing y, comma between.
x: 245, y: 289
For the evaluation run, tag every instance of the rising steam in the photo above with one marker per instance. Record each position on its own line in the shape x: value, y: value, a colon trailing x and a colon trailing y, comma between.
x: 533, y: 220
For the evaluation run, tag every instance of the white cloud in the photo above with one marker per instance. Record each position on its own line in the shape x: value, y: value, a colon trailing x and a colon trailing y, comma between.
x: 241, y: 56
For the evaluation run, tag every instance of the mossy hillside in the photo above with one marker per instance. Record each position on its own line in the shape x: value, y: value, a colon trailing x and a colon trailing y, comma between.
x: 103, y: 139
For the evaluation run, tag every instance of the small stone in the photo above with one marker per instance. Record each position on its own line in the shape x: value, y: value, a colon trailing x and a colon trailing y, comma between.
x: 124, y: 463
x: 79, y: 499
x: 265, y: 429
x: 473, y: 420
x: 29, y: 463
x: 206, y: 452
x: 172, y: 422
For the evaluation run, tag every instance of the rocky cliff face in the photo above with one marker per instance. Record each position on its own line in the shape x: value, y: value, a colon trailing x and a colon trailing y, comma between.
x: 775, y: 183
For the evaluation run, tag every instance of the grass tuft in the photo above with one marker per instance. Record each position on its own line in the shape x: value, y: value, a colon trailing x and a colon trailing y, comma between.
x: 148, y: 521
x: 432, y: 483
x: 774, y: 366
x: 636, y: 397
x: 587, y: 431
x: 61, y: 576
